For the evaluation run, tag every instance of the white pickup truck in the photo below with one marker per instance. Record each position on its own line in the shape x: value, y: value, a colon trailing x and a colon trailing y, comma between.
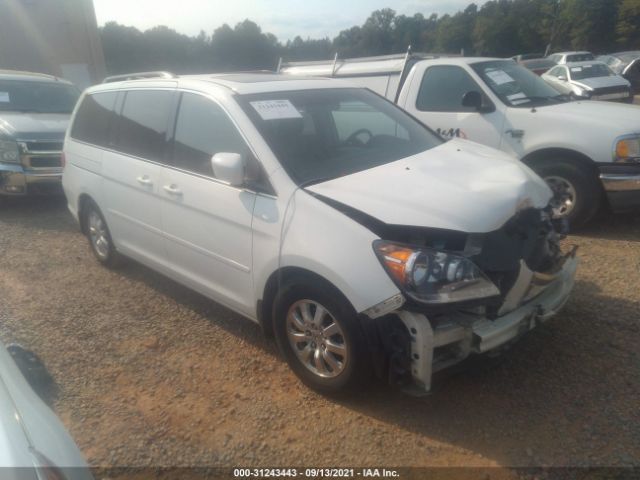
x: 587, y: 151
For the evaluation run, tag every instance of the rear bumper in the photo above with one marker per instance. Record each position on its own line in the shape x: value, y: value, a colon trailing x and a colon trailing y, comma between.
x: 15, y: 180
x: 438, y: 346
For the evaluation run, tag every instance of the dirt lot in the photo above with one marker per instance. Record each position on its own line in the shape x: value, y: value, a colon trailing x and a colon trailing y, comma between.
x: 150, y: 373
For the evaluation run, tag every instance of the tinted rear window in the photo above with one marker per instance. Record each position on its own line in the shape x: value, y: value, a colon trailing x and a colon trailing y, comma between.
x: 142, y: 127
x: 94, y: 117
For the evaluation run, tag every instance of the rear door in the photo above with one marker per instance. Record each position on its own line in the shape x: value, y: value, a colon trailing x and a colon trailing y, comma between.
x: 435, y: 97
x: 132, y: 170
x: 207, y: 223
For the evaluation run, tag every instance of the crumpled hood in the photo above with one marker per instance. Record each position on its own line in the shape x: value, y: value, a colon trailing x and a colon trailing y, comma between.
x: 602, y: 82
x: 34, y: 126
x: 460, y: 185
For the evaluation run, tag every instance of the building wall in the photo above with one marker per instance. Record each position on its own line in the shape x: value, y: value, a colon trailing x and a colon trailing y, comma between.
x: 58, y: 37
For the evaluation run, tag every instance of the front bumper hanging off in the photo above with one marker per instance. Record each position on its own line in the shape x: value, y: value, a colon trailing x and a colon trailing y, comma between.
x: 462, y: 334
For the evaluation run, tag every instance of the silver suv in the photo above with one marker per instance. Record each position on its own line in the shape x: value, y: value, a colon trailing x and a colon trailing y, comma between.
x: 34, y: 114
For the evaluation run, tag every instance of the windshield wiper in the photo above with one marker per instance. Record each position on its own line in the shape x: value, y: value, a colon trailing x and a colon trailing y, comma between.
x: 558, y: 99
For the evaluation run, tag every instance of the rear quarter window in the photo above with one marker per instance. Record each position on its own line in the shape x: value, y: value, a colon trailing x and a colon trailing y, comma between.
x: 94, y: 117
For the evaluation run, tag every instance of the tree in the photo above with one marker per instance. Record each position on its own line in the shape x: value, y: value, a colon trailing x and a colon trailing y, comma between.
x: 498, y: 28
x: 628, y: 26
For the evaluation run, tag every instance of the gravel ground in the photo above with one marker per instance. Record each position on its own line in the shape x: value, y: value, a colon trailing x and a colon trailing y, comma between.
x: 150, y: 373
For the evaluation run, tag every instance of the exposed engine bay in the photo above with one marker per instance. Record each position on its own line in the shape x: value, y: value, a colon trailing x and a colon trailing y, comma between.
x: 525, y: 261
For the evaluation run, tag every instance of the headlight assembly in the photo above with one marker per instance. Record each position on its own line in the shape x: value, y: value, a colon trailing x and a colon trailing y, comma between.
x: 627, y: 150
x: 433, y: 276
x: 9, y: 151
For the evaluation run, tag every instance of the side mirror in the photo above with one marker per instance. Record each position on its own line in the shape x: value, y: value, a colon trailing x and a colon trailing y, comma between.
x: 229, y: 167
x: 562, y: 77
x: 473, y: 99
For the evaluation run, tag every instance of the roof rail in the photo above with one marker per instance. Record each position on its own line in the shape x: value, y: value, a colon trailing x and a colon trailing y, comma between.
x: 138, y: 76
x: 29, y: 74
x: 341, y: 61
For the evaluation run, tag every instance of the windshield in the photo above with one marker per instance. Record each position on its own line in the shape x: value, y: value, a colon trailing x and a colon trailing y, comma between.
x: 38, y: 97
x: 515, y: 85
x: 590, y: 71
x: 322, y: 134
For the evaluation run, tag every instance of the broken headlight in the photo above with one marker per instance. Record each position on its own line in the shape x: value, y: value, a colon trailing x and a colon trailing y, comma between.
x: 433, y: 276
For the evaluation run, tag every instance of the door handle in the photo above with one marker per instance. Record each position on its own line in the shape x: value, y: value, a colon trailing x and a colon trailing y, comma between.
x: 172, y: 190
x: 144, y: 180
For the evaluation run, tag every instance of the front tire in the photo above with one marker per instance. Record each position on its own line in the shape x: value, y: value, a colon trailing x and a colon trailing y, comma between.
x: 318, y: 334
x: 577, y: 191
x: 99, y: 237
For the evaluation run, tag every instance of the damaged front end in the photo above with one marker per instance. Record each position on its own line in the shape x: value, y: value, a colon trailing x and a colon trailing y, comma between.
x: 486, y: 291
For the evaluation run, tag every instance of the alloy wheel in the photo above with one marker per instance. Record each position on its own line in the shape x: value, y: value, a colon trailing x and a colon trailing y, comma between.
x: 98, y: 235
x: 317, y: 339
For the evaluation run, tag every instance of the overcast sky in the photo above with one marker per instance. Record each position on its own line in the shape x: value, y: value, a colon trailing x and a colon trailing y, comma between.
x: 283, y: 18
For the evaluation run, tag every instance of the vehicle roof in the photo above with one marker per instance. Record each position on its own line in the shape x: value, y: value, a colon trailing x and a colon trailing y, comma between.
x: 31, y: 77
x: 468, y: 60
x: 618, y: 54
x: 574, y: 52
x: 241, y: 83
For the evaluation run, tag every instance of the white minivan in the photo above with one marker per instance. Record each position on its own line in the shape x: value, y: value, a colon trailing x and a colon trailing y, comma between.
x: 334, y: 219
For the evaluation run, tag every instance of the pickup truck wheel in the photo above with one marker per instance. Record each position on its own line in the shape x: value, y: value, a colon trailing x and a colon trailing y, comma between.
x: 577, y: 192
x: 320, y: 338
x: 99, y: 237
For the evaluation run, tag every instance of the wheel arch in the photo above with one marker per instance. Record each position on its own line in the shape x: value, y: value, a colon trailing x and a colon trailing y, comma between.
x: 281, y: 276
x: 84, y: 200
x: 545, y: 155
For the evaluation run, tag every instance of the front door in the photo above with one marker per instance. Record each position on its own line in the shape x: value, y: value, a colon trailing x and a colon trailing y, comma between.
x: 438, y: 104
x: 207, y: 223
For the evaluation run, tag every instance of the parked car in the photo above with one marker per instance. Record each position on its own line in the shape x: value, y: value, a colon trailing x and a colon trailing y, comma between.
x: 538, y: 66
x: 34, y: 115
x: 589, y: 80
x: 33, y: 442
x: 583, y: 149
x: 571, y: 57
x: 626, y: 64
x: 338, y: 222
x: 527, y: 56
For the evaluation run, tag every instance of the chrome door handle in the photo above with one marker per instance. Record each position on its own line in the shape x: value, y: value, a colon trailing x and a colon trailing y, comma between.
x: 172, y: 189
x: 144, y: 180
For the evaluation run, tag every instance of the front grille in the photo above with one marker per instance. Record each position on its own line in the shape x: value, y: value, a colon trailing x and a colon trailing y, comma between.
x: 608, y: 90
x: 44, y: 146
x: 46, y: 162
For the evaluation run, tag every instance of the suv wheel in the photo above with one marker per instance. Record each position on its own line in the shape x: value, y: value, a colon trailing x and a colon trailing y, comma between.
x: 99, y: 237
x: 577, y: 192
x: 319, y: 336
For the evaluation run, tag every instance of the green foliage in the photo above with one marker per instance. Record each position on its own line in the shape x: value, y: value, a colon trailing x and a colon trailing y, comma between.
x: 497, y: 28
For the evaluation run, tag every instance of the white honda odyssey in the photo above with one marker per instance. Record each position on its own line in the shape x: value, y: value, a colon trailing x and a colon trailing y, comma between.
x: 343, y: 226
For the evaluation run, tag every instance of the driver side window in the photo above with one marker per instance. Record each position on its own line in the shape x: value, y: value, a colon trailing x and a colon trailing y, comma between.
x: 443, y: 87
x: 354, y: 116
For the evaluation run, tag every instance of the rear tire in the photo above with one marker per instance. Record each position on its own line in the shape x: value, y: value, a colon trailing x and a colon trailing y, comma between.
x: 577, y: 191
x: 318, y: 334
x: 99, y: 237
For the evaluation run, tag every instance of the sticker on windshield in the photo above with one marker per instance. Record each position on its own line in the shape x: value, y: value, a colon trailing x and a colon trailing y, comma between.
x: 499, y: 77
x: 275, y: 109
x: 4, y: 97
x: 577, y: 69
